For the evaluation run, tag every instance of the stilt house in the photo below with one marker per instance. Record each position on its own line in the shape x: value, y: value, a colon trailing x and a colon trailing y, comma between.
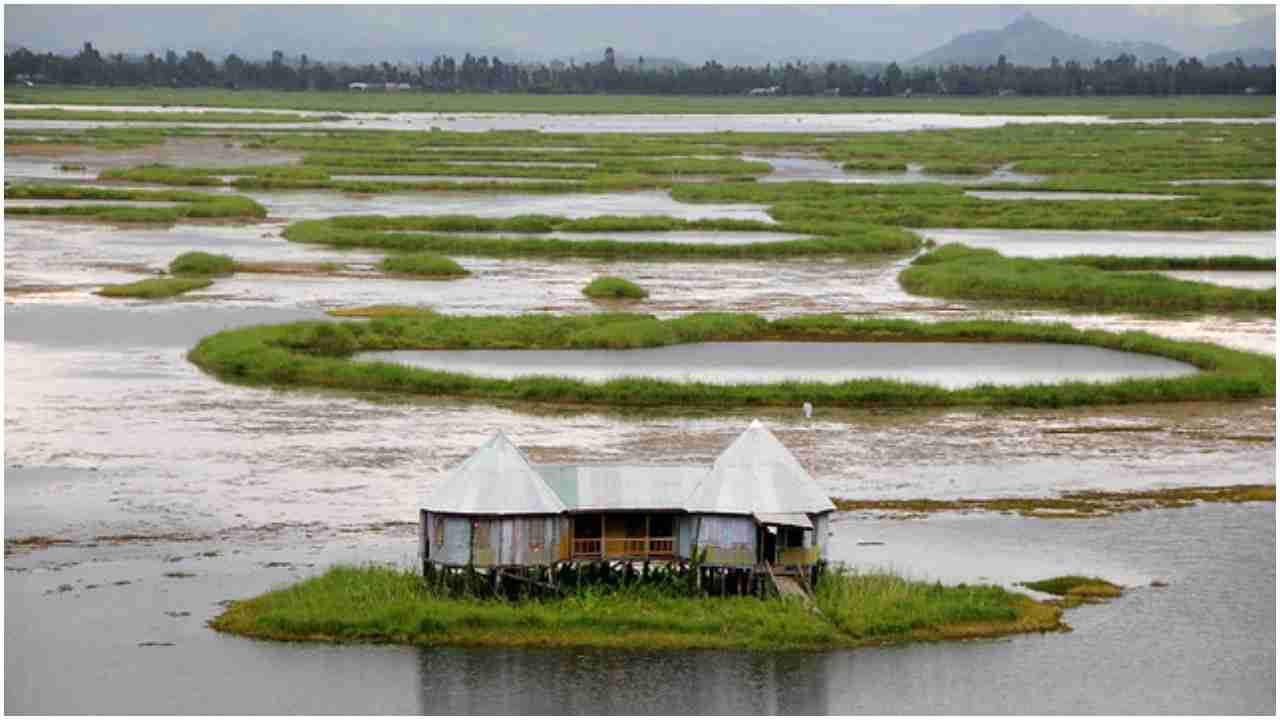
x: 755, y: 507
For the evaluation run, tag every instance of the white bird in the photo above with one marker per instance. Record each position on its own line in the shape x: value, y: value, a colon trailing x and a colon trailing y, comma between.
x: 808, y: 409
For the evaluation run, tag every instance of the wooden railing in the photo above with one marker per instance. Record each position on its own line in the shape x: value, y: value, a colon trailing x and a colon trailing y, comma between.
x: 624, y: 547
x: 586, y: 547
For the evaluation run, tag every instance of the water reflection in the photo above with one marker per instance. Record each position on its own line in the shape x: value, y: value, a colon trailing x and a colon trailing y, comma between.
x: 460, y: 681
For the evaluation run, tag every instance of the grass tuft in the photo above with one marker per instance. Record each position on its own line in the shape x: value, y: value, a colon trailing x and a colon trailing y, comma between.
x: 202, y: 263
x: 614, y: 288
x: 154, y: 288
x: 423, y: 265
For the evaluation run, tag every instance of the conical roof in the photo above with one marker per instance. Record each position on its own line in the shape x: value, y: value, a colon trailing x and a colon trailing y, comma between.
x: 757, y: 474
x: 496, y: 480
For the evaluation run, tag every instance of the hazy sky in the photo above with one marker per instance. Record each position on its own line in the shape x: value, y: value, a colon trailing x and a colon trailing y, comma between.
x: 730, y: 33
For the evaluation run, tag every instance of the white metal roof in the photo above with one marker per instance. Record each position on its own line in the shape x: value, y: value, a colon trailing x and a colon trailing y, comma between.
x: 757, y: 474
x: 496, y: 480
x: 799, y: 520
x: 622, y: 487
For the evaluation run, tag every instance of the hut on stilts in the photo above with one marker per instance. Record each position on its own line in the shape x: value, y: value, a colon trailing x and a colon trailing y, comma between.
x: 751, y: 519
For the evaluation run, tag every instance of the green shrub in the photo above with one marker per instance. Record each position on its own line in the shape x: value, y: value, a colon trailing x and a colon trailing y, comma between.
x: 614, y: 288
x: 155, y: 288
x: 423, y: 265
x: 202, y: 263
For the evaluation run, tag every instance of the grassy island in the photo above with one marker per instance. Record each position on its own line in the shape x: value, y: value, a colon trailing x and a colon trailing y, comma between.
x: 608, y: 287
x: 187, y: 205
x: 202, y: 263
x: 318, y: 355
x: 959, y: 271
x: 525, y: 235
x: 155, y: 288
x: 386, y: 605
x: 424, y: 265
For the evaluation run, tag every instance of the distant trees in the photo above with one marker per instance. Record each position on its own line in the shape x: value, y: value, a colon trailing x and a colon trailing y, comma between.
x: 1121, y: 75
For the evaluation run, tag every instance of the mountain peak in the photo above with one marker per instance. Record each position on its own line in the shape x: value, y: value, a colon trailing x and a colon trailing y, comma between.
x: 1028, y: 22
x: 1031, y: 41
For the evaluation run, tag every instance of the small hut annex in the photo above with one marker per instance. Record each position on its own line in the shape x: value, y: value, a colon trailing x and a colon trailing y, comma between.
x: 754, y: 508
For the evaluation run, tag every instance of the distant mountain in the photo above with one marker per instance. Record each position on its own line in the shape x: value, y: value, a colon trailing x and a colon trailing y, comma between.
x: 1029, y: 41
x: 1251, y: 56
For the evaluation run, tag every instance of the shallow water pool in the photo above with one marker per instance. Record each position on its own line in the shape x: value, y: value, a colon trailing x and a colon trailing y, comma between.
x: 950, y: 365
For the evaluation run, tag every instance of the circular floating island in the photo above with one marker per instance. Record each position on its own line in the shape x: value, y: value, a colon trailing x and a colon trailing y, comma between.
x: 728, y: 360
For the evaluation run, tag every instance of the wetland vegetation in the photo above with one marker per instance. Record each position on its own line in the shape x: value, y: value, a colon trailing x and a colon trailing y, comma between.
x: 466, y: 235
x: 188, y: 205
x: 422, y: 265
x: 345, y: 101
x: 959, y: 271
x: 1075, y: 504
x: 388, y: 605
x: 155, y: 288
x: 318, y: 354
x: 608, y: 287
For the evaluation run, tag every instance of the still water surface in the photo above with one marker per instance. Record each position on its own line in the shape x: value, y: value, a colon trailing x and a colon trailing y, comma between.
x: 950, y: 365
x: 1139, y: 243
x: 1205, y: 644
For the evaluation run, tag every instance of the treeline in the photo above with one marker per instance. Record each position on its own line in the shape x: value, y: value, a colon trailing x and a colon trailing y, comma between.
x: 1122, y: 75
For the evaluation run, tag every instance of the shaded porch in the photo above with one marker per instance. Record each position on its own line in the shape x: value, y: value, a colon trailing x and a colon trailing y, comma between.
x: 624, y: 536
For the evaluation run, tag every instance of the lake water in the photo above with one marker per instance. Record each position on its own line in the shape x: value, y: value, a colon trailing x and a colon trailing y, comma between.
x: 620, y: 123
x: 1203, y: 645
x: 950, y: 365
x: 1141, y: 243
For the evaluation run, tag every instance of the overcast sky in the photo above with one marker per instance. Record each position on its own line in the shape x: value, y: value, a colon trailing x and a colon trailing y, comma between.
x: 731, y: 33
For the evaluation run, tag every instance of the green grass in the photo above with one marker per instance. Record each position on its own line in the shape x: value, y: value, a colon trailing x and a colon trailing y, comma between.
x: 206, y: 116
x: 317, y: 355
x: 386, y: 605
x: 342, y: 100
x: 1129, y: 154
x: 155, y: 288
x: 202, y: 263
x: 1067, y: 585
x: 865, y: 165
x: 1208, y: 262
x: 614, y: 288
x: 930, y: 205
x: 213, y: 176
x: 193, y: 205
x: 448, y: 235
x: 872, y: 606
x: 958, y: 271
x: 422, y: 265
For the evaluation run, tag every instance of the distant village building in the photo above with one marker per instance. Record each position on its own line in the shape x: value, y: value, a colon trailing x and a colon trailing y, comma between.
x: 756, y: 509
x: 771, y: 90
x: 358, y: 86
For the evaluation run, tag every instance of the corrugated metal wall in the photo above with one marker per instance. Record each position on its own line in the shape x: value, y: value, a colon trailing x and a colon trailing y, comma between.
x: 821, y: 526
x: 729, y: 540
x: 684, y: 536
x: 449, y: 537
